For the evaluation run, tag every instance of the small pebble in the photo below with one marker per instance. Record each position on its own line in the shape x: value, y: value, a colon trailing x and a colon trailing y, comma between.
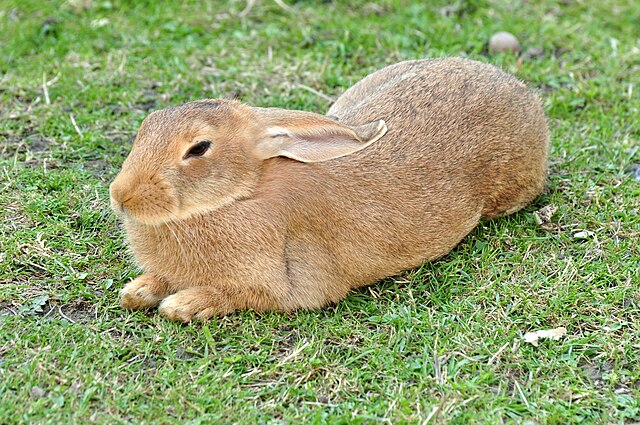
x: 37, y: 392
x: 502, y: 42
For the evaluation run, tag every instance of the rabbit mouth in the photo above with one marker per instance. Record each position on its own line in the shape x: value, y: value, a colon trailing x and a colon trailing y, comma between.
x: 157, y: 211
x: 149, y: 202
x: 151, y: 213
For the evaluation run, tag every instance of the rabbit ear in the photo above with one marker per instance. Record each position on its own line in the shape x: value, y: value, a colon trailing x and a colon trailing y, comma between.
x: 307, y: 139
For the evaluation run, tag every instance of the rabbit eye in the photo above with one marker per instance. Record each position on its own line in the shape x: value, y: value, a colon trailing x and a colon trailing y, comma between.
x: 198, y: 150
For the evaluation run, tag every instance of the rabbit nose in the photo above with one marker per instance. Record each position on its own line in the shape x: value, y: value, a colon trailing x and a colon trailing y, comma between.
x: 119, y: 194
x: 116, y: 192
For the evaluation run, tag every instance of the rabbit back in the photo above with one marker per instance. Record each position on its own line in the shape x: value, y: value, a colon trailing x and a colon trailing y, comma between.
x: 459, y: 120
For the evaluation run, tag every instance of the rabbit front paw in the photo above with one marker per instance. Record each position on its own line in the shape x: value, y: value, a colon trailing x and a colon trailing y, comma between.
x: 198, y: 303
x: 145, y: 291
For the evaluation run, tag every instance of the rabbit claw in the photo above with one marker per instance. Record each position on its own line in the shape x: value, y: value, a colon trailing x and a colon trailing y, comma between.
x: 192, y: 304
x: 143, y: 292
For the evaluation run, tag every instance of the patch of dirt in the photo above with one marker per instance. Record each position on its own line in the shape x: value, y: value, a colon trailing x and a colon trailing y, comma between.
x: 633, y: 171
x: 100, y: 167
x: 25, y: 142
x: 149, y: 363
x: 287, y: 339
x: 15, y: 217
x: 75, y: 311
x: 595, y: 372
x: 186, y: 354
x: 146, y: 104
x: 6, y: 309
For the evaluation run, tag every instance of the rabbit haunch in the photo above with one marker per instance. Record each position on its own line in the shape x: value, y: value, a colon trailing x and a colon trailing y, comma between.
x: 290, y: 209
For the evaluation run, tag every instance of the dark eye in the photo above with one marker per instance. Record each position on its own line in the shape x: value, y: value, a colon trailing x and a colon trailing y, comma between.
x: 198, y: 149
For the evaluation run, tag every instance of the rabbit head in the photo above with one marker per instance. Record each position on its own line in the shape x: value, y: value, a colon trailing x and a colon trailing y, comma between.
x: 203, y: 155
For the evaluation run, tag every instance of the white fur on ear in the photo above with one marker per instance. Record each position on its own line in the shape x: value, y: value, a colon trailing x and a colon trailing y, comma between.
x: 277, y: 131
x: 379, y: 130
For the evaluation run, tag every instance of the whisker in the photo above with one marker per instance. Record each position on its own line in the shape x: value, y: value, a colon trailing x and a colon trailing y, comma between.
x: 168, y: 224
x: 190, y: 237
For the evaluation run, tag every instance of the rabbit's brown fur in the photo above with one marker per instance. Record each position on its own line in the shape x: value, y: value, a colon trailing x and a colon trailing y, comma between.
x: 241, y: 227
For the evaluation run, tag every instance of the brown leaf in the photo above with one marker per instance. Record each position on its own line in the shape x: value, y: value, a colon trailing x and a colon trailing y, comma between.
x: 532, y: 337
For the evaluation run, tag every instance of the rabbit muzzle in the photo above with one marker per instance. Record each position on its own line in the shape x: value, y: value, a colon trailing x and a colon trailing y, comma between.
x: 146, y: 199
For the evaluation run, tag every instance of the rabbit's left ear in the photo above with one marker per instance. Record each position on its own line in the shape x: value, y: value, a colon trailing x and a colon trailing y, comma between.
x: 308, y: 137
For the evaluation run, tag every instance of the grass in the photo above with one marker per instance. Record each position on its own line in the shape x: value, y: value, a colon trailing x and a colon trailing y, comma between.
x: 440, y: 344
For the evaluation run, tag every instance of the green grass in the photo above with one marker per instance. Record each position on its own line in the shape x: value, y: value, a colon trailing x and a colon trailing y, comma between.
x: 443, y: 342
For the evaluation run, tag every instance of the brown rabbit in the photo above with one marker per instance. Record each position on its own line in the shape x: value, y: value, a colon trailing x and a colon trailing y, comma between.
x: 230, y: 207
